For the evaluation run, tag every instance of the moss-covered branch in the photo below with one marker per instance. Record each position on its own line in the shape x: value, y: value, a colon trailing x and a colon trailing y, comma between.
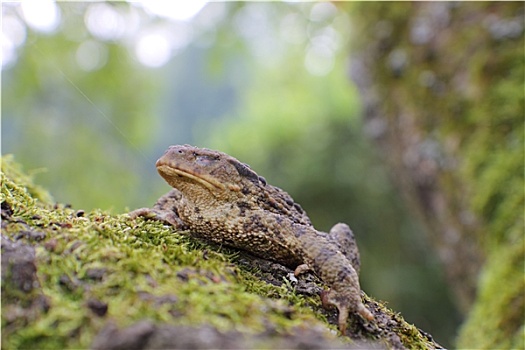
x: 72, y: 279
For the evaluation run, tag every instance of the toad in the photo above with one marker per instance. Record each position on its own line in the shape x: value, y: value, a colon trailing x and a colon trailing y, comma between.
x: 220, y: 199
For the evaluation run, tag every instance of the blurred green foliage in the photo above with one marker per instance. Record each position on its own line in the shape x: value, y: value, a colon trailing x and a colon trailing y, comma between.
x: 84, y: 131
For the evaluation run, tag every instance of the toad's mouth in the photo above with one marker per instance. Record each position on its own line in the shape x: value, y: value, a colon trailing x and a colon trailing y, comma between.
x: 171, y: 172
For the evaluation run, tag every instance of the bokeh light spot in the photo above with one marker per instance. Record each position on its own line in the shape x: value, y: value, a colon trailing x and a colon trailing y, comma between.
x: 181, y: 10
x: 91, y: 55
x: 153, y: 50
x: 41, y: 15
x: 105, y: 22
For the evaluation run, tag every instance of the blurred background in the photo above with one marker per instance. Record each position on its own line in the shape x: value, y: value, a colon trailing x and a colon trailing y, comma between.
x: 94, y: 92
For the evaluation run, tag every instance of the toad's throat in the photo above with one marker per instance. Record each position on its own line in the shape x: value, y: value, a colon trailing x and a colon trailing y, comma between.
x: 170, y: 173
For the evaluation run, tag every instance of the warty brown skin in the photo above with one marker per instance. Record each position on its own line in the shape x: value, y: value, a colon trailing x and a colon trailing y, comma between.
x: 223, y: 200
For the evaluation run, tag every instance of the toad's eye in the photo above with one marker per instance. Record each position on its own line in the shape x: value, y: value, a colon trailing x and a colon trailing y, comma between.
x: 204, y: 160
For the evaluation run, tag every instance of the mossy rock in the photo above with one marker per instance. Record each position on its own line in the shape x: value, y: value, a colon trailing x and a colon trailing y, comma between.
x: 75, y: 279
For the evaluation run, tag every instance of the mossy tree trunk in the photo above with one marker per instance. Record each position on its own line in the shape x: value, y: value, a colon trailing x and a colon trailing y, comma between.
x: 443, y: 91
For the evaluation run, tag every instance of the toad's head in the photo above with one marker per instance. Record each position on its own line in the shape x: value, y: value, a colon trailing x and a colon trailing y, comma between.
x: 203, y: 172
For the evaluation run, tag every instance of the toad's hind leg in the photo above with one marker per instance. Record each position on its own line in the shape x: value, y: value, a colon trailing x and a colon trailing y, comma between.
x: 343, y: 237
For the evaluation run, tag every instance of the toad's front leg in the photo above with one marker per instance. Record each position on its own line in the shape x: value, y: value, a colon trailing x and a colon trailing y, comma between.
x: 165, y: 210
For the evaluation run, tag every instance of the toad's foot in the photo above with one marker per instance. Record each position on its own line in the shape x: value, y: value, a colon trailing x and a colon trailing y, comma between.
x: 331, y: 298
x: 167, y: 217
x: 344, y: 305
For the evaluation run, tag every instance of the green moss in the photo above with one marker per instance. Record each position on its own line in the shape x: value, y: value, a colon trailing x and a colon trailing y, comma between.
x: 22, y: 191
x: 501, y: 289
